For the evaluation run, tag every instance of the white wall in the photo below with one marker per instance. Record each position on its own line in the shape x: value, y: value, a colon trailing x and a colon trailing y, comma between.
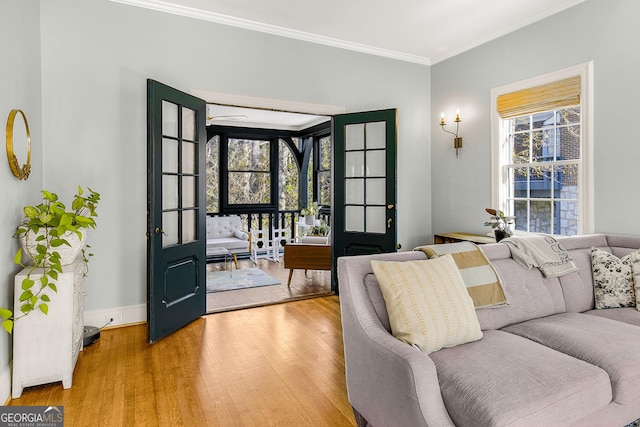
x: 19, y: 89
x: 96, y: 57
x: 604, y: 31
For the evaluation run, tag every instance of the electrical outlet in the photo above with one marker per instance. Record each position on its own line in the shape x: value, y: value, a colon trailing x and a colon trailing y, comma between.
x: 111, y: 319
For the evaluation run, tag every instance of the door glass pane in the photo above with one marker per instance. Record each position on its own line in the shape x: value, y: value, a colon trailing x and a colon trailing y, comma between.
x: 354, y: 218
x: 189, y: 192
x: 376, y: 191
x: 169, y: 192
x: 376, y: 163
x: 376, y: 219
x: 354, y: 164
x: 169, y: 228
x: 376, y: 133
x: 188, y: 124
x: 354, y: 192
x: 169, y: 155
x: 169, y: 119
x: 354, y: 136
x: 188, y: 157
x: 189, y: 226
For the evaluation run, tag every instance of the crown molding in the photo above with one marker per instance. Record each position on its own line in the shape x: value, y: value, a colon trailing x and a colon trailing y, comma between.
x: 204, y: 15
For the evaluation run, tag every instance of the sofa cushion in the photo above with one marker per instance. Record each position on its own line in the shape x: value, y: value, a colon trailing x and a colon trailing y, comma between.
x: 427, y: 303
x: 232, y: 244
x: 530, y: 295
x: 612, y: 280
x: 626, y: 314
x: 223, y: 226
x: 611, y: 345
x: 505, y: 379
x: 480, y: 278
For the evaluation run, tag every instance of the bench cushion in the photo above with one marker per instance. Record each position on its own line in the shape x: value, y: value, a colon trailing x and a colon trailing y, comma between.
x: 505, y: 379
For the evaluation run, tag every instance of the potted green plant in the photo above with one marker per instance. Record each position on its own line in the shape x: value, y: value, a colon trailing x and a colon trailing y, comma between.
x: 310, y: 213
x: 47, y: 231
x: 320, y: 230
x: 499, y: 222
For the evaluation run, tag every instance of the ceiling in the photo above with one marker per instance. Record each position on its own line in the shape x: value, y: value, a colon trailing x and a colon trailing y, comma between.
x: 225, y: 115
x: 421, y: 31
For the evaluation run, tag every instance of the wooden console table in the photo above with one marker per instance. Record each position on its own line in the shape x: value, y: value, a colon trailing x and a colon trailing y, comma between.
x: 307, y: 257
x: 462, y: 237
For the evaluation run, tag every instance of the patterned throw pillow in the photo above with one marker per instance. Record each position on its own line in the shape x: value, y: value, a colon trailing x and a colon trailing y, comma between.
x: 427, y: 303
x: 635, y: 270
x: 612, y: 280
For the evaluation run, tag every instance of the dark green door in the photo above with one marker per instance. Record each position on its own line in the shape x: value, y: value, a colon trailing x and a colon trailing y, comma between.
x: 364, y: 206
x: 176, y: 279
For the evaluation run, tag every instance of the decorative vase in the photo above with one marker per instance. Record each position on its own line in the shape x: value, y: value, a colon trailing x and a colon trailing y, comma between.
x: 501, y: 234
x: 310, y: 219
x: 68, y: 254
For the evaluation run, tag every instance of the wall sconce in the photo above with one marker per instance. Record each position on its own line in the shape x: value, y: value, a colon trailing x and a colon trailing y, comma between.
x: 457, y: 140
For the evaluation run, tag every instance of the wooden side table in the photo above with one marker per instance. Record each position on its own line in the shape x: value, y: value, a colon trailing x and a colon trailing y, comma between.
x: 306, y: 256
x: 462, y: 237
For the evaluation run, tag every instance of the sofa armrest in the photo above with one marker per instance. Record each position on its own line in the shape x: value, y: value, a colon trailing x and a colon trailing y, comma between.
x: 242, y: 235
x: 389, y: 382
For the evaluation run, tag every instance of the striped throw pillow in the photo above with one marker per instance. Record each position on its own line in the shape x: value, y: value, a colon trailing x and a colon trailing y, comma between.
x: 480, y: 278
x: 427, y: 303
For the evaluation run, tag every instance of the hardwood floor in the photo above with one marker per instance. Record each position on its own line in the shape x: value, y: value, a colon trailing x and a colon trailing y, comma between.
x: 312, y: 284
x: 279, y: 365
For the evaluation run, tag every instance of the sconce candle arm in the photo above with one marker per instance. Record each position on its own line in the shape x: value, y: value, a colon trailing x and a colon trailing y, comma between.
x: 457, y: 140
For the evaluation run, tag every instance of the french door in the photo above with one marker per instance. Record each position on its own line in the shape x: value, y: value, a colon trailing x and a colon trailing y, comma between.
x: 176, y: 217
x: 364, y: 206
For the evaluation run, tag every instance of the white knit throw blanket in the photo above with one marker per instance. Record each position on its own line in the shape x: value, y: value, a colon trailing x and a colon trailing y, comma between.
x: 543, y: 252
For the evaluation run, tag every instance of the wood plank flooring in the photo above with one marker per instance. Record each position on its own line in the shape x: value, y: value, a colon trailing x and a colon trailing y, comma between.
x: 279, y: 365
x: 314, y: 283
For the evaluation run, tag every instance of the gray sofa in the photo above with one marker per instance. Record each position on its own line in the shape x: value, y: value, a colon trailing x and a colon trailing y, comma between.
x: 225, y: 235
x: 545, y: 359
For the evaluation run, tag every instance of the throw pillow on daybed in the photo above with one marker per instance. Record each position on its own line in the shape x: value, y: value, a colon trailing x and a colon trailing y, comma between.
x: 613, y: 279
x: 427, y: 303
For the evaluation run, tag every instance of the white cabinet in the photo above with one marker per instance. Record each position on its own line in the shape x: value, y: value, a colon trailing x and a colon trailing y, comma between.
x: 46, y: 347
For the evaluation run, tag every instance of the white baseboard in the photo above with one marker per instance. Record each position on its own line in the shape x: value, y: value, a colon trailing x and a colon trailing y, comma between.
x: 5, y: 383
x: 121, y: 316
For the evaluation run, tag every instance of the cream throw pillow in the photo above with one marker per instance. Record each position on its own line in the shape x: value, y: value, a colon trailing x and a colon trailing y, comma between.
x: 427, y: 302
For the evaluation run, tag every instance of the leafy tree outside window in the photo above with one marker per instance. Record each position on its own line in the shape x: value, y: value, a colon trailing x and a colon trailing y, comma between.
x: 249, y: 171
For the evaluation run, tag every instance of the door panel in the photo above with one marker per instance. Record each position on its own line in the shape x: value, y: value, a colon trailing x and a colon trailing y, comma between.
x: 176, y: 280
x: 364, y: 217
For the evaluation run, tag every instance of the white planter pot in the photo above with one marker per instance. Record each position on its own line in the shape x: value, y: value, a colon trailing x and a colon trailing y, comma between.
x: 68, y: 254
x: 310, y: 219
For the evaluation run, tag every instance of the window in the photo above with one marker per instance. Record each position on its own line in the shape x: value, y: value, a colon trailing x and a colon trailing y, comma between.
x: 213, y: 174
x: 542, y: 172
x: 288, y: 177
x: 249, y: 171
x: 324, y: 171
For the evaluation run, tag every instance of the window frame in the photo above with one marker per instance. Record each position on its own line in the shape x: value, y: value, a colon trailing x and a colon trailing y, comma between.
x: 274, y: 136
x: 501, y: 153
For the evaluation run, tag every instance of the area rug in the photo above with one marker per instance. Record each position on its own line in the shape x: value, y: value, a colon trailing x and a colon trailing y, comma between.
x: 220, y: 281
